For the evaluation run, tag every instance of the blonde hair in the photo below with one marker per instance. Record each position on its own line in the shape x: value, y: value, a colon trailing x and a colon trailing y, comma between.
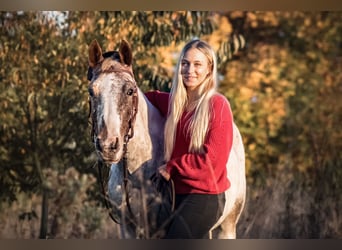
x: 199, y: 122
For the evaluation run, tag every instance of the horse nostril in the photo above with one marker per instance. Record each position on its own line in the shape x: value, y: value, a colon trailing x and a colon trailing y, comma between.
x: 114, y: 145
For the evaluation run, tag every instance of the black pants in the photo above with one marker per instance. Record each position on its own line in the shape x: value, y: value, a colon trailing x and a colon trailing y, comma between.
x: 194, y: 215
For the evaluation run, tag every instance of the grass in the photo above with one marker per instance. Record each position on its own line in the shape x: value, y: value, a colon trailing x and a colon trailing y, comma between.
x: 292, y: 207
x: 289, y: 206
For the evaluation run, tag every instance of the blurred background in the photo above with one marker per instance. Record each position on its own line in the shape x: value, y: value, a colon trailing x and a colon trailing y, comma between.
x: 281, y: 72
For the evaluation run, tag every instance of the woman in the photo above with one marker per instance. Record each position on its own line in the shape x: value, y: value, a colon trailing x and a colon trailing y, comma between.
x: 198, y: 139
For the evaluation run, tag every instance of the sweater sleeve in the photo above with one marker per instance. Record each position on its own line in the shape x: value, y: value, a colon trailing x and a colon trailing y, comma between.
x: 195, y: 167
x: 160, y: 100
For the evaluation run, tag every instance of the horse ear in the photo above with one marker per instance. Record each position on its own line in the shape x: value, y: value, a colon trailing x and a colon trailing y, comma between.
x: 125, y: 52
x: 95, y: 53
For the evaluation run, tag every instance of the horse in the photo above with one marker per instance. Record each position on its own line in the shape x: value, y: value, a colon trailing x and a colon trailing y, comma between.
x: 127, y: 133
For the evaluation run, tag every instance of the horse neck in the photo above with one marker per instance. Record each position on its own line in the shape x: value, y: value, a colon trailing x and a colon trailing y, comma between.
x: 146, y: 146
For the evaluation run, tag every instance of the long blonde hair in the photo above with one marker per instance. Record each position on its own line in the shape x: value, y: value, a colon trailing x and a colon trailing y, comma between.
x: 198, y: 124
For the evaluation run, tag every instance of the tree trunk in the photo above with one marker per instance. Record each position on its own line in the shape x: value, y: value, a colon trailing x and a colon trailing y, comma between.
x: 44, y: 216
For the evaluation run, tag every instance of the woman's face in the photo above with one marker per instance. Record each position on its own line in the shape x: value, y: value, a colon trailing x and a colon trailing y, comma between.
x: 194, y: 68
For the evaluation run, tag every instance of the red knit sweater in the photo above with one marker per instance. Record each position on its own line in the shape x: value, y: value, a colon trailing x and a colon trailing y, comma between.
x: 193, y: 172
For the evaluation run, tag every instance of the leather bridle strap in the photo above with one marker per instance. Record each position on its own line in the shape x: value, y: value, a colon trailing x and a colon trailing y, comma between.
x: 129, y: 134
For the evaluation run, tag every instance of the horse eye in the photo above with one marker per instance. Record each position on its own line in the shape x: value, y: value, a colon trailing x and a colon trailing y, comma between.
x: 130, y: 92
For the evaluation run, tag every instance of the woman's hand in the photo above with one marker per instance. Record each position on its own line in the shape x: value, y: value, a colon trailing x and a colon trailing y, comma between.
x: 160, y: 179
x: 163, y: 172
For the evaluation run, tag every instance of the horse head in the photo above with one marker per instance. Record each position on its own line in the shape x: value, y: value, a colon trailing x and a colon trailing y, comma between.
x: 113, y: 100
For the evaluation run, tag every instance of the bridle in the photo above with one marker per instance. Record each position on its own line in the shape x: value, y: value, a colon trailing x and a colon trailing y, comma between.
x: 103, y: 174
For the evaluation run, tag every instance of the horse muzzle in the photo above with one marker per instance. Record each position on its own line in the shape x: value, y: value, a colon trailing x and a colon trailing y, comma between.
x: 110, y: 150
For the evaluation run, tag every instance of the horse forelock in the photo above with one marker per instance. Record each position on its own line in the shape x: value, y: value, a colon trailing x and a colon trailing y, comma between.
x: 111, y: 63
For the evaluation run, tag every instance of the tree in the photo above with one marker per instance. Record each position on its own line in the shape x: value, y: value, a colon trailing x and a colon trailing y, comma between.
x: 286, y: 104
